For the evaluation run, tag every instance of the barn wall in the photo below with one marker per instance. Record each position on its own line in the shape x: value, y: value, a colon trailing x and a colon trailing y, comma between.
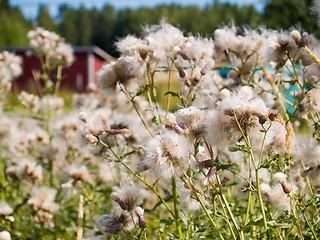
x: 98, y: 63
x: 75, y: 77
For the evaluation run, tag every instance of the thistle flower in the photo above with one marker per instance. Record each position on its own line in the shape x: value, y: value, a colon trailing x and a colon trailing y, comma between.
x: 310, y: 103
x: 122, y: 71
x: 132, y: 46
x: 69, y: 128
x: 127, y: 196
x: 26, y: 167
x: 188, y: 201
x: 44, y: 217
x: 5, y: 127
x: 10, y: 68
x: 51, y: 45
x: 220, y: 126
x: 208, y: 89
x: 313, y: 165
x: 115, y: 222
x: 162, y: 39
x: 265, y: 189
x: 280, y: 177
x: 5, y: 235
x: 96, y: 124
x: 181, y: 72
x: 164, y: 153
x: 43, y: 198
x: 51, y: 102
x: 77, y: 172
x: 5, y: 209
x: 276, y: 197
x: 28, y: 100
x: 248, y: 46
x: 62, y: 54
x: 296, y: 36
x: 139, y: 212
x: 275, y: 142
x: 192, y: 118
x: 284, y: 45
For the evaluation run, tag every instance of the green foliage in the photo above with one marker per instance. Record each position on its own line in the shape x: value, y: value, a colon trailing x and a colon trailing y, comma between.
x: 102, y: 27
x: 283, y: 14
x: 44, y: 19
x: 13, y: 27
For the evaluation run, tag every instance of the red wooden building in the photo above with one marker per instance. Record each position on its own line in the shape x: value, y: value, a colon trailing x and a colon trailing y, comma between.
x: 88, y: 60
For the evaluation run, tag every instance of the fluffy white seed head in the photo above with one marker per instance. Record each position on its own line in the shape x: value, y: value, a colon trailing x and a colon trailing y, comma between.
x: 43, y: 198
x: 127, y: 196
x: 310, y: 103
x: 5, y: 235
x: 51, y: 45
x: 191, y: 118
x: 139, y: 211
x: 5, y: 209
x: 115, y: 222
x: 279, y: 177
x: 164, y: 152
x: 265, y: 188
x: 296, y: 36
x: 278, y: 199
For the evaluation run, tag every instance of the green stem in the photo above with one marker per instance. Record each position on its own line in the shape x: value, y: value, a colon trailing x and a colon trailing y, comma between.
x: 272, y: 218
x: 250, y: 193
x: 79, y: 183
x: 3, y: 179
x: 310, y: 227
x: 296, y: 76
x: 295, y: 212
x: 176, y: 207
x: 220, y: 196
x: 256, y: 171
x: 131, y: 99
x: 168, y: 96
x: 150, y: 75
x: 51, y: 172
x: 260, y: 200
x: 140, y: 178
x: 59, y: 79
x: 227, y: 219
x: 228, y: 208
x: 193, y: 189
x: 248, y: 208
x: 224, y: 211
x: 262, y: 145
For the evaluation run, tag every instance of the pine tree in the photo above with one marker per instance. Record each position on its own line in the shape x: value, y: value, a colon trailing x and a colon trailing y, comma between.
x: 44, y: 19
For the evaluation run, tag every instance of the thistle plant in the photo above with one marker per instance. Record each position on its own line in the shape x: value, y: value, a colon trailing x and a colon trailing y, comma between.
x: 167, y: 147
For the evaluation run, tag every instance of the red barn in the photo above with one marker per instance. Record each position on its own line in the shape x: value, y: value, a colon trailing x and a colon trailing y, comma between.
x: 88, y: 60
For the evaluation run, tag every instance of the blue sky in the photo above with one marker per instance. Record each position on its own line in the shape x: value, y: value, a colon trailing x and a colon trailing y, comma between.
x: 30, y: 7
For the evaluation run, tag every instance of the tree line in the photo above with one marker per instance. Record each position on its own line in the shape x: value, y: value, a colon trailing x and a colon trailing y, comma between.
x: 101, y: 27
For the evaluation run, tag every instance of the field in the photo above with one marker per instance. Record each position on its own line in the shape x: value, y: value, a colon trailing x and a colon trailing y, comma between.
x: 183, y: 137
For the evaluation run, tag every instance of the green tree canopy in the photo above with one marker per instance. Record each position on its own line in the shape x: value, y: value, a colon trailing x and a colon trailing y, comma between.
x: 283, y: 14
x: 44, y: 19
x: 13, y: 27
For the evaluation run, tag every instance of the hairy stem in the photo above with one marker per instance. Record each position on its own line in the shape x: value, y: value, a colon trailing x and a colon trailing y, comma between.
x: 140, y: 178
x: 224, y: 200
x: 256, y: 171
x: 176, y: 207
x: 193, y: 189
x: 59, y: 79
x: 131, y: 99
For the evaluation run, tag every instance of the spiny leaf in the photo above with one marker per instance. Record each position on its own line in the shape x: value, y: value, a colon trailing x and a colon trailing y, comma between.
x: 174, y: 94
